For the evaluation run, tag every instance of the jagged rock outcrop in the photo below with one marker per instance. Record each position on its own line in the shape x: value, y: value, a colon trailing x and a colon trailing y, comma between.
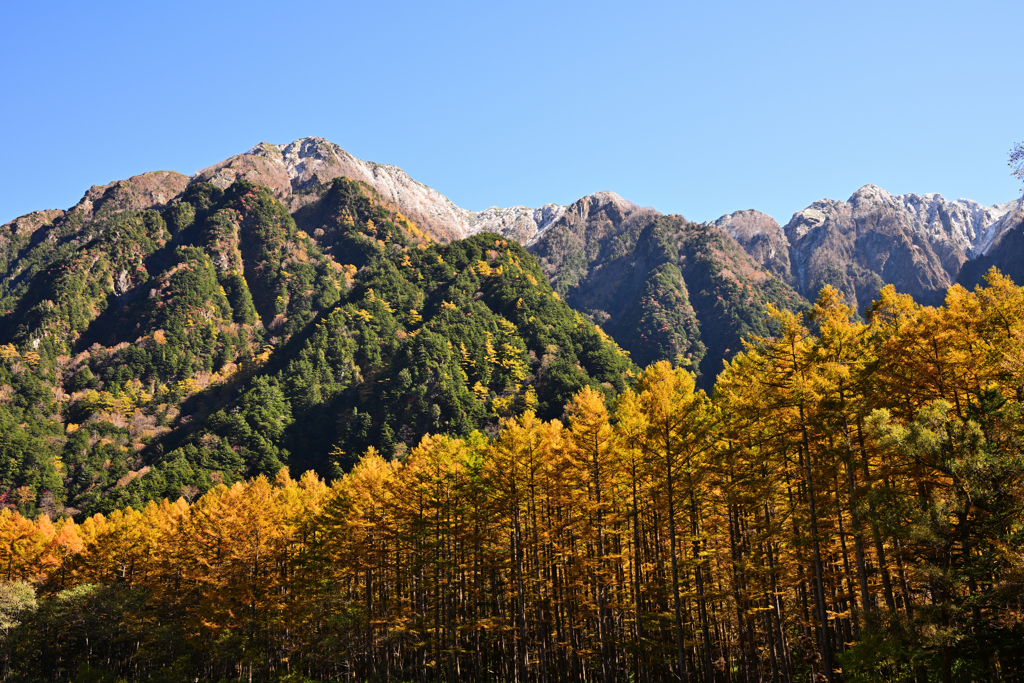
x: 268, y: 172
x: 964, y: 224
x: 20, y: 232
x: 520, y: 223
x: 146, y: 191
x: 918, y: 243
x: 598, y: 228
x: 294, y: 169
x: 762, y: 237
x: 152, y: 190
x: 860, y: 245
x: 1004, y: 251
x: 27, y: 225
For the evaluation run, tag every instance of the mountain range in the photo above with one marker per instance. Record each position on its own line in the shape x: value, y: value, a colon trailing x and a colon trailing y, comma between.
x: 921, y: 244
x: 295, y: 305
x: 918, y: 243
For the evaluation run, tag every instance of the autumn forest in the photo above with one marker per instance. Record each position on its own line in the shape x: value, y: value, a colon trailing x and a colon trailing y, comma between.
x: 846, y: 505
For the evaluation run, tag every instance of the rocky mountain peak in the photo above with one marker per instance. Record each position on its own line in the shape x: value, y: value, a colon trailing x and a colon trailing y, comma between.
x: 964, y: 225
x: 746, y: 224
x: 292, y: 169
x: 25, y: 226
x: 604, y: 204
x: 1001, y: 246
x: 304, y: 164
x: 917, y: 242
x: 526, y: 225
x: 812, y: 218
x: 313, y: 161
x: 520, y: 223
x: 762, y: 237
x: 870, y: 191
x: 146, y: 191
x: 307, y: 161
x: 606, y: 197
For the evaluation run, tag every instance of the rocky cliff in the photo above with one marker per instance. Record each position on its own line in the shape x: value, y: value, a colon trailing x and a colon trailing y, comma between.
x: 918, y: 243
x: 294, y: 171
x: 1003, y: 250
x: 762, y: 237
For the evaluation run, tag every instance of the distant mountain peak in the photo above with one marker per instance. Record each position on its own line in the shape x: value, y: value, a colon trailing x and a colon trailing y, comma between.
x: 917, y: 242
x: 609, y: 197
x: 293, y: 168
x: 762, y: 237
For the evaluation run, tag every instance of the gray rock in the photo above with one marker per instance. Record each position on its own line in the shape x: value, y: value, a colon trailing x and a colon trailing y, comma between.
x: 918, y: 243
x: 762, y: 237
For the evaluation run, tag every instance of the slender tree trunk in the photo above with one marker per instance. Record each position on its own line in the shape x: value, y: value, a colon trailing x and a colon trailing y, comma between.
x: 876, y: 536
x: 675, y: 572
x: 858, y: 543
x: 819, y: 583
x: 701, y: 602
x: 638, y: 663
x: 777, y: 613
x: 521, y: 652
x: 858, y: 533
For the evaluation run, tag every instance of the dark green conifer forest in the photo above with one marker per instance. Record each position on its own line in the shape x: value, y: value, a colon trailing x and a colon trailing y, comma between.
x: 149, y: 353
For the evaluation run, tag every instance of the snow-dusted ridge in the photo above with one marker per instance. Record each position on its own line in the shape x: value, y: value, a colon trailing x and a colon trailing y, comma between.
x: 971, y: 226
x: 964, y: 225
x: 291, y: 168
x: 518, y: 222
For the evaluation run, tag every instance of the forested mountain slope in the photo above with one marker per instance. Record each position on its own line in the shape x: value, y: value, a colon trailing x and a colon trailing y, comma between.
x: 164, y: 342
x: 661, y: 286
x: 656, y: 301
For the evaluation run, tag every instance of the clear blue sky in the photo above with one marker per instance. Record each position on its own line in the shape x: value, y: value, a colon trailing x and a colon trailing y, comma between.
x: 697, y: 108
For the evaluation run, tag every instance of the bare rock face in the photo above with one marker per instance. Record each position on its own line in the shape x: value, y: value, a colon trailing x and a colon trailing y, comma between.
x: 147, y: 191
x: 14, y: 236
x: 861, y: 245
x: 255, y: 169
x: 520, y: 223
x: 290, y: 170
x: 963, y: 225
x: 585, y: 233
x: 25, y: 226
x: 294, y: 169
x: 152, y: 190
x: 762, y: 237
x: 918, y: 243
x: 1003, y: 250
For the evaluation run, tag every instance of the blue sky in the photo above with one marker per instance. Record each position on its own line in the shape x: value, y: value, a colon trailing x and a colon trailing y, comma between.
x: 696, y: 108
